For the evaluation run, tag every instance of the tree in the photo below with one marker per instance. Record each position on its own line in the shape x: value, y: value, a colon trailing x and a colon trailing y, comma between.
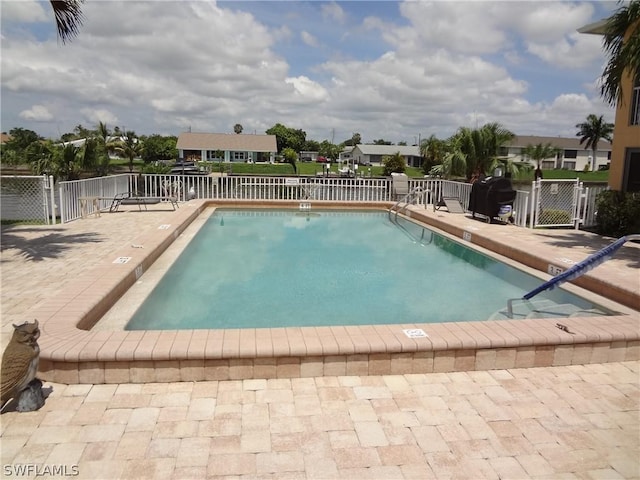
x: 480, y: 146
x: 69, y: 17
x: 311, y: 146
x: 129, y: 147
x: 64, y: 162
x: 539, y: 152
x: 237, y: 128
x: 622, y: 45
x: 288, y: 137
x: 590, y: 133
x: 432, y: 150
x: 329, y: 150
x: 454, y: 160
x: 290, y: 157
x: 21, y: 138
x: 158, y: 147
x: 381, y: 141
x: 13, y: 152
x: 394, y: 164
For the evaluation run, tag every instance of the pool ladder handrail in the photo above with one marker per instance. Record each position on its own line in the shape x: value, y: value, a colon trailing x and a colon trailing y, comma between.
x: 415, y: 192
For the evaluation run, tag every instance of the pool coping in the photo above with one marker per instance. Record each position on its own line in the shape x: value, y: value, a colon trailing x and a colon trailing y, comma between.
x: 72, y: 353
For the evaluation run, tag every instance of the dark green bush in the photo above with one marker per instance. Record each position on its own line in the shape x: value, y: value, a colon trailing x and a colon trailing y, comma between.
x: 394, y: 164
x: 617, y: 213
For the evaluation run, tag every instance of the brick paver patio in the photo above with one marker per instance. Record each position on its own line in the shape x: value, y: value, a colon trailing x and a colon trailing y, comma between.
x: 578, y: 421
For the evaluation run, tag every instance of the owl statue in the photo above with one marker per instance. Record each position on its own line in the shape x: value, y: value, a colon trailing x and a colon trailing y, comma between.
x: 20, y: 361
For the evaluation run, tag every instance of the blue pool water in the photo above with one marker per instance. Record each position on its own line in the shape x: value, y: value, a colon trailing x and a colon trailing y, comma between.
x: 252, y: 269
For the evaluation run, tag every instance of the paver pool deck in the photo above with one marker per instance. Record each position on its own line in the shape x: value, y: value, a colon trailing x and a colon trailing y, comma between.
x: 570, y: 421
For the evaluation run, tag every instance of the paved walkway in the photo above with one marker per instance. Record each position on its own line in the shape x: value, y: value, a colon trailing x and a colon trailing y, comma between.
x: 557, y: 422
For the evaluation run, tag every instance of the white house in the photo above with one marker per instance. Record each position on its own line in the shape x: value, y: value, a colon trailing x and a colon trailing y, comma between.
x: 374, y: 154
x: 231, y: 147
x: 571, y: 154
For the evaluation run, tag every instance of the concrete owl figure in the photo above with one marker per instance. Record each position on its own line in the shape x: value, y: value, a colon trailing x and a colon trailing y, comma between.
x: 20, y: 360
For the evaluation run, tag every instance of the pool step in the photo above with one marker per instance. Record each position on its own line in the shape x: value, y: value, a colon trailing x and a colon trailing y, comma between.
x: 544, y: 309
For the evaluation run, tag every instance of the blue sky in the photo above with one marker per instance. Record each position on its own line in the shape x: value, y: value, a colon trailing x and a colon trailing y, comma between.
x: 391, y: 70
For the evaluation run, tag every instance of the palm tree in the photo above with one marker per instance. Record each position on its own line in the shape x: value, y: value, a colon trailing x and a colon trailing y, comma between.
x: 432, y: 151
x: 454, y: 160
x: 481, y: 146
x: 69, y: 17
x: 129, y: 147
x: 539, y: 152
x: 591, y: 131
x: 622, y: 45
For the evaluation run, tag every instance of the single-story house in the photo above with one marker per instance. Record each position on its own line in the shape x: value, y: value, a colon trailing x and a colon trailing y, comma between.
x: 308, y: 156
x: 571, y: 154
x: 226, y: 147
x: 374, y: 154
x: 346, y: 155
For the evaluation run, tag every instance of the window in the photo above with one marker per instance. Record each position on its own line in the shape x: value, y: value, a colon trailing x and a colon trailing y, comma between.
x: 571, y: 154
x: 239, y: 156
x: 548, y: 165
x: 635, y: 103
x: 211, y: 155
x: 569, y: 165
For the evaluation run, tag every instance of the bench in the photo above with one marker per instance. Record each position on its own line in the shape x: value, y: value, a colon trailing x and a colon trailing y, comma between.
x: 128, y: 199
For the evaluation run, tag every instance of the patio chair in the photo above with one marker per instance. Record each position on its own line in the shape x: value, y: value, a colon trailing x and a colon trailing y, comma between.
x: 126, y: 198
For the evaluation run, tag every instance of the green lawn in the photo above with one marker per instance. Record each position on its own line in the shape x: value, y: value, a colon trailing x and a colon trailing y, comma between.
x: 313, y: 168
x: 599, y: 176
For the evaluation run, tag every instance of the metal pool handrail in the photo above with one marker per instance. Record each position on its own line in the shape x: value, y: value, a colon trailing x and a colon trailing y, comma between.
x: 416, y: 191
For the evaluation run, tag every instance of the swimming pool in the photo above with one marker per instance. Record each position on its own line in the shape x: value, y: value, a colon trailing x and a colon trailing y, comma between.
x: 283, y: 268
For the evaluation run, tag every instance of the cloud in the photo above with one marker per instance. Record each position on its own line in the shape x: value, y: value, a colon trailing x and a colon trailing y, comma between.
x: 27, y: 11
x: 309, y: 39
x: 37, y: 113
x: 100, y: 115
x: 407, y: 68
x: 307, y: 90
x: 334, y: 12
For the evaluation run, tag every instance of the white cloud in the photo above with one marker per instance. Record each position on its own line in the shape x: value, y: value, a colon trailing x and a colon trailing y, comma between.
x: 37, y: 113
x: 307, y: 90
x: 574, y: 51
x: 334, y: 12
x: 309, y: 39
x: 28, y: 11
x: 436, y: 67
x: 94, y: 116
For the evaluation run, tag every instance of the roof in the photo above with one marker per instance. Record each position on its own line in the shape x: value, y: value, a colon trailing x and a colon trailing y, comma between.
x: 5, y: 138
x: 227, y: 142
x: 571, y: 143
x: 596, y: 28
x: 405, y: 151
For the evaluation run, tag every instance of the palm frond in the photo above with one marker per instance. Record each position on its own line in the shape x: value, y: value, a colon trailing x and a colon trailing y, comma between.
x: 622, y: 45
x: 69, y: 18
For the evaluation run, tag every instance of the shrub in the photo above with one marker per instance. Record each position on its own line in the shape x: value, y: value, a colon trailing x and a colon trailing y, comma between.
x: 554, y: 217
x: 394, y: 164
x: 617, y: 213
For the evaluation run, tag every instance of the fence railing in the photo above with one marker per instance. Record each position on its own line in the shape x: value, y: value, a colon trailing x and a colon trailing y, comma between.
x: 526, y: 206
x: 104, y: 188
x: 27, y: 198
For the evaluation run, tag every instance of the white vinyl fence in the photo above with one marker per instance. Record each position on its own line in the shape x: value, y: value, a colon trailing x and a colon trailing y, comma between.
x: 565, y: 203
